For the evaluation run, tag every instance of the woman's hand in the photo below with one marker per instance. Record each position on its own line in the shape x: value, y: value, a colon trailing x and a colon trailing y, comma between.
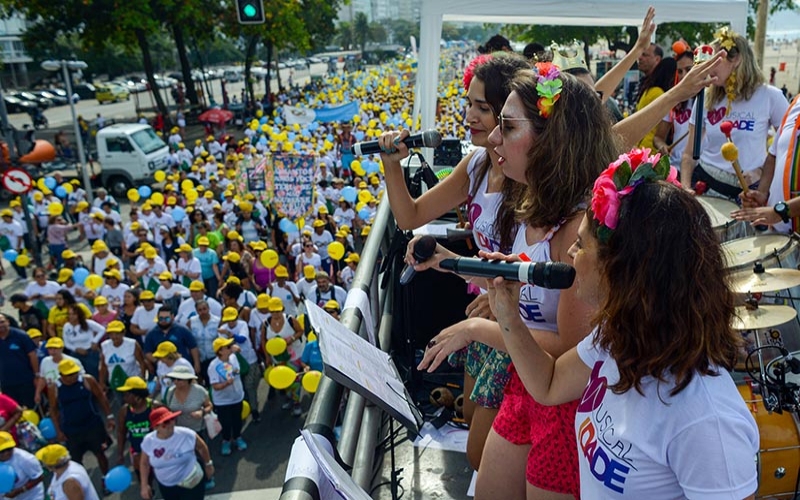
x: 479, y: 308
x: 393, y: 150
x: 698, y: 78
x: 450, y: 340
x: 503, y: 295
x: 439, y: 254
x: 210, y: 471
x: 646, y: 31
x: 757, y: 215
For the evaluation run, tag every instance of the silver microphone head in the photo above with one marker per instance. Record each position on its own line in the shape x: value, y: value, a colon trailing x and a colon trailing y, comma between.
x: 431, y: 139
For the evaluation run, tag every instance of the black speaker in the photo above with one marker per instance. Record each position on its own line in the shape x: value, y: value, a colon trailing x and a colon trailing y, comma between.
x: 448, y: 154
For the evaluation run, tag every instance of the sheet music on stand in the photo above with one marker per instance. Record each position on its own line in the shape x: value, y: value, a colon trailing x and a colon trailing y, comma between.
x: 339, y: 478
x: 361, y: 367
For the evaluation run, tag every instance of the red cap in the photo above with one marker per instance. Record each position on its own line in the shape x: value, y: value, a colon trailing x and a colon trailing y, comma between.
x: 162, y: 414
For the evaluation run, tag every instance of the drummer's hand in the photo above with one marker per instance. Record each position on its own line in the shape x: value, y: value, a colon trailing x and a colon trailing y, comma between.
x: 439, y: 254
x: 753, y: 199
x: 392, y: 147
x: 757, y: 215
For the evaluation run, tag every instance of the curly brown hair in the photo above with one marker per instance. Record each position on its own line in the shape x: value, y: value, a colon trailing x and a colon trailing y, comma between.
x: 572, y: 146
x: 668, y: 308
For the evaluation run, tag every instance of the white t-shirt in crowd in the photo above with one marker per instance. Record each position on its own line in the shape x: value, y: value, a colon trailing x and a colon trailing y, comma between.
x: 116, y: 295
x: 240, y: 329
x: 48, y: 369
x: 286, y: 294
x: 49, y: 288
x: 699, y: 443
x: 304, y: 286
x: 76, y: 337
x: 680, y: 125
x: 144, y: 319
x: 13, y: 231
x: 167, y: 293
x: 752, y: 120
x: 26, y: 468
x: 78, y: 473
x: 172, y: 459
x: 219, y: 371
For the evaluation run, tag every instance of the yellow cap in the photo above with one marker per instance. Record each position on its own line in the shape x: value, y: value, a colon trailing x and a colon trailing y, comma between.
x: 82, y: 205
x: 14, y: 203
x: 234, y: 235
x: 365, y: 230
x: 353, y: 257
x: 323, y: 210
x: 135, y: 226
x: 166, y: 275
x: 331, y: 304
x: 258, y: 245
x: 309, y: 272
x: 186, y: 247
x: 196, y: 286
x: 234, y: 280
x: 6, y: 441
x: 64, y: 275
x: 99, y: 246
x: 318, y: 223
x: 38, y: 196
x: 208, y: 194
x: 229, y: 314
x: 262, y: 301
x: 100, y: 301
x: 68, y: 254
x: 115, y: 326
x: 232, y: 257
x: 6, y: 213
x: 374, y: 181
x: 281, y: 272
x: 53, y: 455
x: 150, y: 253
x: 132, y: 383
x: 203, y: 241
x: 362, y: 185
x: 275, y: 305
x: 164, y: 349
x: 147, y: 295
x: 114, y: 273
x: 221, y: 342
x: 34, y: 333
x: 54, y: 343
x: 68, y: 367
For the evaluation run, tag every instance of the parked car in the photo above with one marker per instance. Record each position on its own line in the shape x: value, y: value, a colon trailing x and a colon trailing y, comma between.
x: 110, y: 92
x: 57, y: 100
x: 15, y: 105
x: 84, y: 90
x: 133, y: 87
x: 233, y: 75
x: 58, y: 92
x: 39, y: 101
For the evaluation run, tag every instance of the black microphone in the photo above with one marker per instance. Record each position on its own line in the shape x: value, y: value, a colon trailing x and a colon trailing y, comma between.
x: 554, y: 275
x: 423, y: 250
x: 427, y: 139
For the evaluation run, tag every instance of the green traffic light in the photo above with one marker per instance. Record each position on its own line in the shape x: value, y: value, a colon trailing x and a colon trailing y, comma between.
x: 249, y: 10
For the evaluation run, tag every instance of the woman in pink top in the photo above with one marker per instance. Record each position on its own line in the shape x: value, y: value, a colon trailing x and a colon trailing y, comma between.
x: 104, y: 314
x: 57, y: 231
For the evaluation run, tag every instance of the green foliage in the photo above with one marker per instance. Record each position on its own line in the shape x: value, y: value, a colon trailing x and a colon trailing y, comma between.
x: 361, y: 30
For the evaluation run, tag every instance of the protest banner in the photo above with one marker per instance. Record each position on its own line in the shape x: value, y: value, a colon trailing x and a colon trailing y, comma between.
x: 294, y: 183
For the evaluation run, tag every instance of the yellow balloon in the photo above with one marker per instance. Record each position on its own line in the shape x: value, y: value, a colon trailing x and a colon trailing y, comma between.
x: 356, y: 118
x: 364, y: 196
x: 159, y: 176
x: 266, y: 373
x: 356, y: 167
x: 360, y: 205
x: 245, y: 410
x: 269, y: 259
x: 30, y: 416
x: 276, y: 346
x: 311, y: 381
x: 282, y: 377
x: 22, y: 260
x: 55, y: 209
x: 93, y: 282
x: 191, y: 195
x: 336, y: 250
x: 40, y: 184
x: 312, y: 336
x: 133, y: 195
x: 68, y: 187
x: 157, y: 198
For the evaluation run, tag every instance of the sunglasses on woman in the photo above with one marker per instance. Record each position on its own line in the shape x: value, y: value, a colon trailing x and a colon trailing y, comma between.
x: 502, y: 119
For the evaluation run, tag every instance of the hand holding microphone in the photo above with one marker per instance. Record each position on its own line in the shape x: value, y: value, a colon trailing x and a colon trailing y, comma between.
x: 394, y: 146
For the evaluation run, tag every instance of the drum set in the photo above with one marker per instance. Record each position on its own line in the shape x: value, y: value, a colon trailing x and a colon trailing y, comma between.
x: 763, y: 271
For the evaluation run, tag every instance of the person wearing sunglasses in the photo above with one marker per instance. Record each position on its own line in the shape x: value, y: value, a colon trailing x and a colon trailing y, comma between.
x: 168, y: 330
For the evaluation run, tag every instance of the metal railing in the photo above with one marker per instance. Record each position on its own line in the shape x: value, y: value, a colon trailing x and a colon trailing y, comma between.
x: 361, y: 421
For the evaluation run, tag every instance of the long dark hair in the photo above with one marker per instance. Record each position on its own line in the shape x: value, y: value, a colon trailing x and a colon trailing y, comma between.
x: 663, y: 77
x: 667, y: 312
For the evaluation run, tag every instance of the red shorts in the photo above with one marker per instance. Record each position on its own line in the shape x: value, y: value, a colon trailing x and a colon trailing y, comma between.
x: 549, y: 430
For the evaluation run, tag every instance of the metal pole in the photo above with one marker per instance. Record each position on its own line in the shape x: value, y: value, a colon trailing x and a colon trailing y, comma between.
x: 87, y: 181
x: 33, y: 239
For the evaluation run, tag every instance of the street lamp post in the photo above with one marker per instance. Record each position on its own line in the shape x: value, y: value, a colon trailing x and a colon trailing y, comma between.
x: 66, y: 66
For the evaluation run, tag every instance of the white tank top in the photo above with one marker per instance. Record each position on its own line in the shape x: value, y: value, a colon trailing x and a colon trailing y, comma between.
x: 77, y: 472
x: 482, y: 207
x: 297, y: 347
x: 538, y: 306
x: 120, y: 358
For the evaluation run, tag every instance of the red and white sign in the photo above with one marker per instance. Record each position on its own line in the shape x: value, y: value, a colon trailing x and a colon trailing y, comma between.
x: 17, y: 181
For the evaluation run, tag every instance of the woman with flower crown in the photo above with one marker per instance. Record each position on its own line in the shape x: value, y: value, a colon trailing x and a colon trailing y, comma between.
x: 740, y: 95
x: 659, y: 416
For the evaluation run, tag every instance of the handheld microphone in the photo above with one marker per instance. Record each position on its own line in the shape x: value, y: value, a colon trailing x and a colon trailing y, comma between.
x: 427, y: 139
x: 423, y: 250
x: 553, y: 275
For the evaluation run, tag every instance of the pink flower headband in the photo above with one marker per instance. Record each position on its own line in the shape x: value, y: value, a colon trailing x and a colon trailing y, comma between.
x: 620, y: 179
x: 469, y: 71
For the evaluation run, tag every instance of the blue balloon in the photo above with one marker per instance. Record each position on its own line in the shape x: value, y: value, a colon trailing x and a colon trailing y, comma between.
x: 50, y: 182
x: 329, y: 137
x: 350, y: 194
x: 151, y: 386
x: 291, y: 136
x: 79, y: 275
x: 278, y: 120
x: 118, y: 479
x: 364, y: 213
x: 287, y: 226
x: 61, y: 192
x: 371, y: 167
x: 145, y: 191
x: 263, y: 120
x: 7, y: 478
x: 10, y: 255
x: 262, y: 140
x: 178, y: 214
x: 359, y: 135
x: 47, y: 428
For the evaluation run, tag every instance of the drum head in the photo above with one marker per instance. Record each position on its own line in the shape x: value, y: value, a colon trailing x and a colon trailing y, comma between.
x: 742, y: 253
x: 718, y: 210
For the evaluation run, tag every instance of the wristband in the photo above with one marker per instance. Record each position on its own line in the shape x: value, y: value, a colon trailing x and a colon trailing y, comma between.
x: 209, y: 463
x: 110, y: 416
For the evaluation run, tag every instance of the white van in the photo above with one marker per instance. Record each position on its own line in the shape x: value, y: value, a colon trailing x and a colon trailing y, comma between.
x: 130, y: 153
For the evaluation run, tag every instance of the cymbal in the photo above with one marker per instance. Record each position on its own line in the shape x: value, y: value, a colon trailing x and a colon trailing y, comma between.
x: 765, y: 316
x: 770, y: 280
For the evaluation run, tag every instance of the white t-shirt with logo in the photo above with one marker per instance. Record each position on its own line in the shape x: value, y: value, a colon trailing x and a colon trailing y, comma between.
x: 173, y: 458
x: 700, y: 443
x: 751, y: 122
x: 679, y: 119
x: 220, y: 371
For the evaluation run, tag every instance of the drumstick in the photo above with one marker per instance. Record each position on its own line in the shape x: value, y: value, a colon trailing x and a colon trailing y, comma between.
x: 731, y: 153
x: 675, y: 143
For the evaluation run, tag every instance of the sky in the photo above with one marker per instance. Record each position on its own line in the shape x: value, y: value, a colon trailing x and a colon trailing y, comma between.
x: 785, y: 24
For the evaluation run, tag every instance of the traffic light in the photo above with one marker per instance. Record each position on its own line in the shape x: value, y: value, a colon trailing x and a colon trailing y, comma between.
x: 250, y: 11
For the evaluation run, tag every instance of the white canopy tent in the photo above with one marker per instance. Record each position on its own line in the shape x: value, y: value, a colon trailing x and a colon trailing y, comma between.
x: 576, y: 13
